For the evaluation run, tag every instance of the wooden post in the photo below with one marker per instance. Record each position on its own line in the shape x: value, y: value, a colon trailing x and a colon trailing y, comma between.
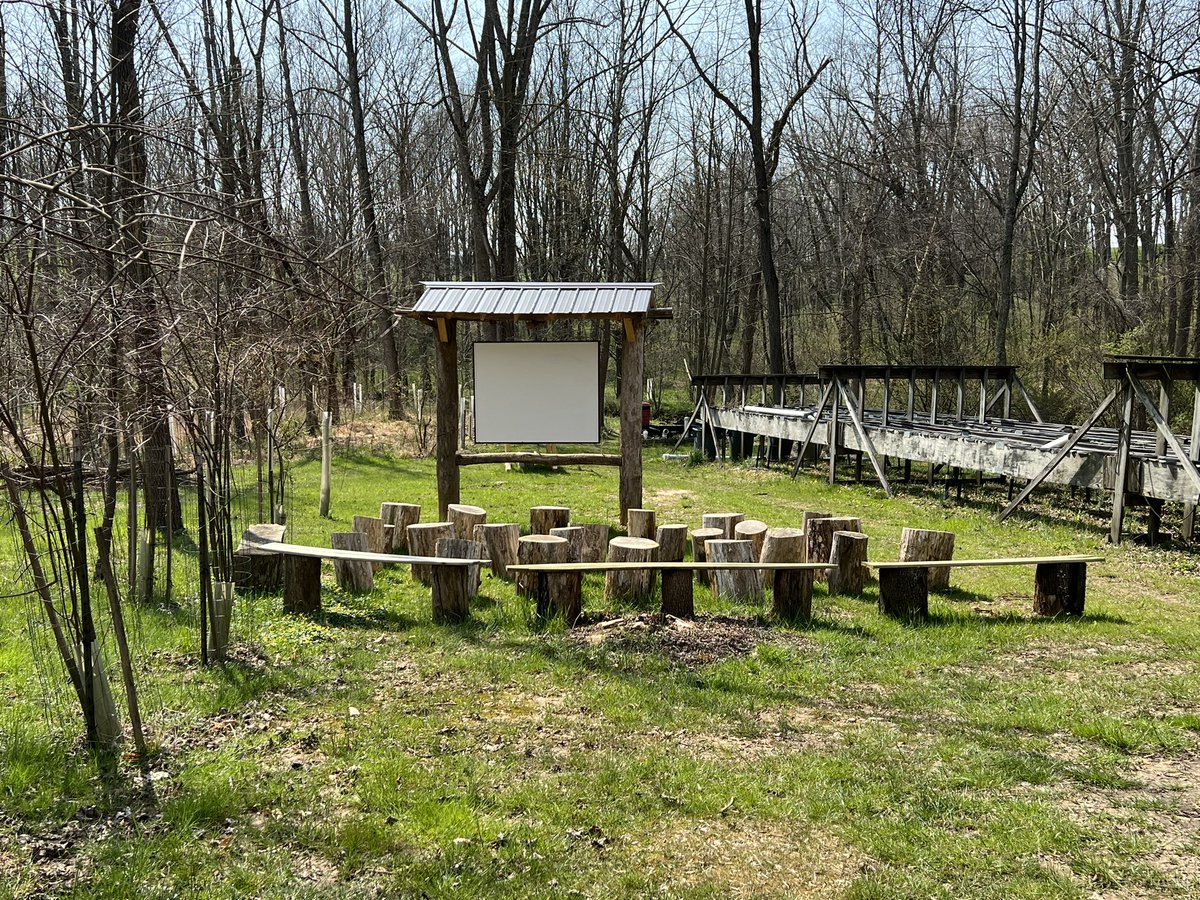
x: 1189, y: 509
x: 634, y: 585
x: 726, y: 521
x: 1124, y: 438
x: 848, y: 577
x: 700, y: 539
x: 831, y: 443
x: 326, y: 463
x: 222, y: 614
x: 753, y: 531
x: 352, y: 575
x: 595, y: 542
x: 400, y: 516
x: 791, y: 597
x: 1059, y: 589
x: 677, y: 594
x: 904, y: 592
x: 422, y: 541
x: 643, y: 523
x: 735, y: 584
x: 447, y: 415
x: 631, y: 417
x: 544, y: 518
x: 302, y: 584
x: 464, y: 519
x: 918, y: 544
x: 500, y: 541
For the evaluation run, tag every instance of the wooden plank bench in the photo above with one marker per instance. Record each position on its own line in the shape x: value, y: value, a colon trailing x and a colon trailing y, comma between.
x: 302, y: 568
x: 545, y: 570
x: 1060, y: 583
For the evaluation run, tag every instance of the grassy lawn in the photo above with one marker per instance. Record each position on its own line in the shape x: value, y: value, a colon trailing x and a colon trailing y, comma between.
x: 366, y: 752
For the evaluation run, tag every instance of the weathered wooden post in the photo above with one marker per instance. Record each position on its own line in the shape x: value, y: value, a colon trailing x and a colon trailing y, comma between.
x: 632, y: 370
x: 326, y: 463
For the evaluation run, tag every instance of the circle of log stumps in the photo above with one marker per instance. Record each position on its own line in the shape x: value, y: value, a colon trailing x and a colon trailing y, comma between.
x: 677, y: 593
x: 819, y: 538
x: 848, y: 576
x: 399, y: 516
x: 544, y: 518
x: 353, y: 575
x: 751, y: 530
x: 791, y: 589
x: 921, y: 544
x: 422, y: 541
x: 464, y: 519
x: 735, y: 584
x: 634, y: 585
x: 500, y: 541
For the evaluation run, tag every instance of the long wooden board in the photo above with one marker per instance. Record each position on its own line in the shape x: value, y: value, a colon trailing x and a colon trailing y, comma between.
x: 666, y: 566
x: 363, y: 556
x: 960, y: 563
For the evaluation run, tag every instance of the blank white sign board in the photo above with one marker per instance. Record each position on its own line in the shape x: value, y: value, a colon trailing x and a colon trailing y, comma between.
x: 534, y: 392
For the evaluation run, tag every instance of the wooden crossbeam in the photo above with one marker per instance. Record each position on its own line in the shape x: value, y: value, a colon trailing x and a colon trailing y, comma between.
x: 1028, y: 400
x: 866, y: 441
x: 691, y: 419
x: 1059, y: 456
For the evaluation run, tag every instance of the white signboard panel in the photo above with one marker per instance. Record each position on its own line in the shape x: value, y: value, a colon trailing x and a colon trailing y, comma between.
x: 534, y: 392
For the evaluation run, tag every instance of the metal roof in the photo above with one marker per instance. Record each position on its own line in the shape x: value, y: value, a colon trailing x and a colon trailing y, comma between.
x: 529, y: 299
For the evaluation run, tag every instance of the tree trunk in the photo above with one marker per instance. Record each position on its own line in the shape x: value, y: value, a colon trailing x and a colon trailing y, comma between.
x: 700, y: 539
x: 544, y: 518
x: 753, y: 531
x: 904, y: 593
x: 1059, y: 589
x: 457, y: 548
x: 399, y: 516
x: 595, y: 542
x: 819, y: 538
x: 726, y: 521
x: 677, y: 592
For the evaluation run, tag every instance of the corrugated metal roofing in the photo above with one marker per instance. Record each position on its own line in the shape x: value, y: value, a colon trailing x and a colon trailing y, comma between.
x: 527, y: 299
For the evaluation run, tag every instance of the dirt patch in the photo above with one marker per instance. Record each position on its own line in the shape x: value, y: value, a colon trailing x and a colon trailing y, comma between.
x: 691, y: 643
x: 738, y: 858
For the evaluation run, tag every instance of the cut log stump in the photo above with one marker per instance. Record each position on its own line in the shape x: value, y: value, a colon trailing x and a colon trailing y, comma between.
x: 302, y: 584
x: 500, y: 541
x: 353, y: 575
x: 595, y: 542
x: 735, y: 584
x: 726, y: 521
x: 677, y: 586
x: 634, y: 585
x: 400, y: 516
x: 457, y: 548
x: 543, y: 518
x: 819, y: 538
x: 700, y: 539
x: 753, y: 531
x: 643, y: 523
x: 849, y: 575
x: 566, y: 588
x: 422, y: 541
x: 904, y: 593
x: 791, y: 591
x: 534, y: 549
x: 464, y: 519
x: 1059, y: 589
x: 254, y: 569
x: 372, y: 527
x: 918, y: 544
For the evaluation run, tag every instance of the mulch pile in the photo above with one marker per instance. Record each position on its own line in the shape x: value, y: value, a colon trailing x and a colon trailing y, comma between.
x: 691, y: 643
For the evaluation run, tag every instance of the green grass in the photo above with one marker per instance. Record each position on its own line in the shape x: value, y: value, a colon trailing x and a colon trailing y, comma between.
x: 366, y: 752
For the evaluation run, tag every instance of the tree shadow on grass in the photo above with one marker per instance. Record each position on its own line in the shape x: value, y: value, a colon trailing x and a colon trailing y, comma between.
x: 365, y: 618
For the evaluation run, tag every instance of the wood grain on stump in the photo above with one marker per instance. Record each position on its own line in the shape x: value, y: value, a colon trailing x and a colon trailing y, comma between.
x: 422, y: 541
x: 595, y: 542
x: 464, y: 519
x: 635, y: 585
x: 781, y: 545
x: 457, y: 548
x: 700, y: 539
x: 819, y: 538
x: 573, y: 535
x: 301, y: 584
x: 918, y: 544
x: 849, y: 575
x: 1059, y: 589
x: 566, y: 588
x: 726, y: 521
x: 372, y: 527
x: 399, y: 516
x: 538, y: 548
x: 904, y: 593
x: 255, y: 569
x: 543, y: 518
x: 735, y: 584
x: 353, y: 575
x: 753, y: 531
x: 500, y: 543
x: 677, y: 586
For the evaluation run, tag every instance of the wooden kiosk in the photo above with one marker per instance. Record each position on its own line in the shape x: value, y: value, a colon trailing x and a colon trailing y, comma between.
x: 444, y: 304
